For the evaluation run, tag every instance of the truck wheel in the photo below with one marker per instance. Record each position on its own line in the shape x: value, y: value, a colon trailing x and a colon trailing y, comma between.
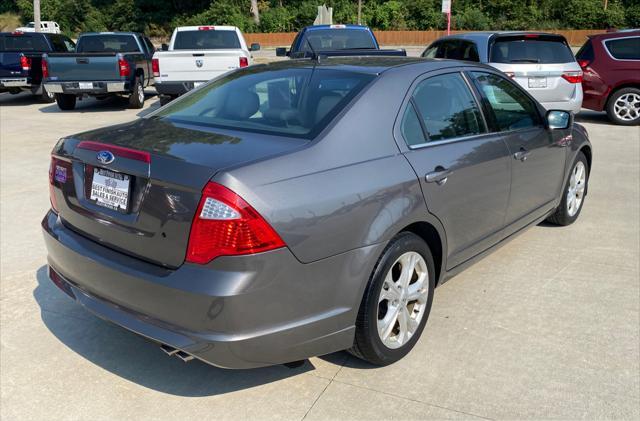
x: 66, y: 102
x: 136, y: 99
x: 47, y: 96
x: 165, y: 99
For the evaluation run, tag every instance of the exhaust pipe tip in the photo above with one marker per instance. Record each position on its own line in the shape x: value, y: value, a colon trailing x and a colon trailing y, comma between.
x: 169, y: 350
x: 184, y: 356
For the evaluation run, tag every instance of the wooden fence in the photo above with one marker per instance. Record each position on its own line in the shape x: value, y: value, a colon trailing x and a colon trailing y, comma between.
x: 284, y: 39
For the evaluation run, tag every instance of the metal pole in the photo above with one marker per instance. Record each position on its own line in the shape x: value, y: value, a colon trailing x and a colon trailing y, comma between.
x: 359, y: 12
x: 449, y: 22
x: 36, y: 15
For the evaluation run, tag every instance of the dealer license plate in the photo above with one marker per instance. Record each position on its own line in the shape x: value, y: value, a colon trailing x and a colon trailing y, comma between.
x: 110, y: 189
x: 85, y: 85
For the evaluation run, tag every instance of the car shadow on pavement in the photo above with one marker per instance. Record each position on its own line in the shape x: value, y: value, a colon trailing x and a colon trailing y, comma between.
x: 594, y: 117
x: 93, y: 105
x: 18, y: 100
x: 137, y: 359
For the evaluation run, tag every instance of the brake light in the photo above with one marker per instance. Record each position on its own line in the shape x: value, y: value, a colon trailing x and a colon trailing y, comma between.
x: 45, y: 68
x: 59, y: 173
x: 25, y: 63
x: 123, y: 66
x: 244, y: 62
x: 532, y: 36
x: 572, y: 77
x: 226, y: 225
x: 206, y: 28
x: 120, y: 151
x: 155, y: 67
x: 584, y: 63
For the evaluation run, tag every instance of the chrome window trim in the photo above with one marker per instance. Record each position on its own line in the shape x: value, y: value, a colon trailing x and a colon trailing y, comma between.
x: 606, y: 48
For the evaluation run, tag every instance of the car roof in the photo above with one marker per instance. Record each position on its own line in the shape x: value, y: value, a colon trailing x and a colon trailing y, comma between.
x: 336, y: 26
x: 110, y: 33
x: 618, y: 34
x: 485, y: 35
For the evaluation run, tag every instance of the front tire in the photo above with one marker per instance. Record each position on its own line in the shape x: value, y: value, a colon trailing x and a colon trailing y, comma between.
x: 573, y: 194
x: 66, y: 102
x: 623, y: 107
x: 136, y: 99
x: 396, y: 302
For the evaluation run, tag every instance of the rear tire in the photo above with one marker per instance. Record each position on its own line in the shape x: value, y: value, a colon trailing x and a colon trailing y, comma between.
x: 573, y: 194
x: 136, y: 99
x: 397, y: 301
x: 66, y: 102
x: 623, y: 107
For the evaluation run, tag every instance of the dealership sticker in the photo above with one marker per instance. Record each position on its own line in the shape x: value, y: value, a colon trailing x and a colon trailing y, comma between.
x: 61, y: 174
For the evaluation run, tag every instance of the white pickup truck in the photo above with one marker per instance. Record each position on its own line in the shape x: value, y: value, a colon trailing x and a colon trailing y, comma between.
x: 197, y: 54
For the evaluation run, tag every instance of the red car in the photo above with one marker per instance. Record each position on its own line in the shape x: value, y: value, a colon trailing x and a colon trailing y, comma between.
x: 611, y: 83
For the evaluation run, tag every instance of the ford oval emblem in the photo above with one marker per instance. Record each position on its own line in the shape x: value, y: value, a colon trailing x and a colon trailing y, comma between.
x: 105, y: 157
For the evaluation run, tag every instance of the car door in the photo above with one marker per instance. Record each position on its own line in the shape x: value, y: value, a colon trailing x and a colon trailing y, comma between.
x: 537, y: 157
x: 463, y: 169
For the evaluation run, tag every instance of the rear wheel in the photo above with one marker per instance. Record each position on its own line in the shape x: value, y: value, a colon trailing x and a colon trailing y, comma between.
x: 47, y: 96
x: 624, y: 107
x: 136, y: 99
x: 573, y: 194
x: 396, y: 302
x: 66, y: 102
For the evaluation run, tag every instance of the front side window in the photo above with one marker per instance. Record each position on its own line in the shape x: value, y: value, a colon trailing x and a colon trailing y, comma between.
x: 209, y: 39
x: 447, y: 108
x: 625, y: 48
x: 296, y: 102
x: 61, y: 44
x: 107, y: 43
x: 512, y: 108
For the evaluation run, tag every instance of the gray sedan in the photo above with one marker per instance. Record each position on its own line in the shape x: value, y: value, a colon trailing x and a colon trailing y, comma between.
x: 304, y: 207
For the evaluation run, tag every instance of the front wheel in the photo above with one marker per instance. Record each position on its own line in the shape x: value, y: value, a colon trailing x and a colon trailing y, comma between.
x: 396, y: 302
x: 136, y: 99
x: 573, y: 194
x: 66, y: 102
x: 624, y: 107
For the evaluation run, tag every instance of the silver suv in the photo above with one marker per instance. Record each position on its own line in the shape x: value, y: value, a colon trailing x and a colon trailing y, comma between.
x: 541, y: 63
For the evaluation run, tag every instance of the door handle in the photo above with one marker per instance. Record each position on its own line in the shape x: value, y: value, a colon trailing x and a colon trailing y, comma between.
x: 439, y: 176
x: 521, y: 155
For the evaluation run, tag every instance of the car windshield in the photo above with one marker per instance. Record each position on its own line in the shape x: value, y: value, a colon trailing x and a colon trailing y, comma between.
x: 531, y: 49
x: 206, y: 40
x: 297, y: 102
x: 107, y: 43
x: 338, y: 39
x: 23, y: 42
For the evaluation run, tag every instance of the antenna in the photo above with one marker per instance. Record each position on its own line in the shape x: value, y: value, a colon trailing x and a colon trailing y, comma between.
x: 314, y: 54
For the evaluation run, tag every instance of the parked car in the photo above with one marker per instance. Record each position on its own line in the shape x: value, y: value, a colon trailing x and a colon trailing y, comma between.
x: 197, y: 54
x: 336, y: 40
x: 20, y: 60
x: 303, y: 207
x: 611, y: 65
x: 541, y: 63
x: 104, y: 64
x: 46, y: 26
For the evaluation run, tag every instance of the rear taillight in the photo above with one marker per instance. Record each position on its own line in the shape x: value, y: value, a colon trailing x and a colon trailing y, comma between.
x: 155, y: 67
x: 45, y: 68
x: 123, y: 66
x: 59, y: 173
x: 572, y: 77
x: 226, y: 225
x: 584, y: 63
x: 244, y: 62
x: 25, y: 63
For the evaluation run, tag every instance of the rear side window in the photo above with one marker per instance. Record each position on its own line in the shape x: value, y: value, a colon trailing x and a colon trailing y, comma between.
x: 23, y: 42
x: 585, y: 52
x: 61, y: 44
x: 453, y: 50
x: 107, y: 43
x: 531, y: 49
x: 512, y: 108
x: 337, y: 39
x: 291, y: 102
x: 206, y: 40
x: 447, y: 108
x: 624, y: 48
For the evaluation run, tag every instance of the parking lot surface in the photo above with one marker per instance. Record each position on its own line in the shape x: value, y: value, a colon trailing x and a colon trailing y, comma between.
x: 545, y: 327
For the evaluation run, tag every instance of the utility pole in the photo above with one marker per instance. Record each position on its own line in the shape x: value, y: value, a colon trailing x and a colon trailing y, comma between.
x: 606, y: 3
x: 36, y: 15
x: 359, y: 12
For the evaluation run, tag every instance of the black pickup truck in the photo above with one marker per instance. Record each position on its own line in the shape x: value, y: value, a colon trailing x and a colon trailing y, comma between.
x: 103, y: 64
x: 20, y: 60
x: 336, y: 40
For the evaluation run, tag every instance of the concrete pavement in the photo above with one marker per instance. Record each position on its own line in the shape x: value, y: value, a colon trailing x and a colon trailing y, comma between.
x: 546, y: 327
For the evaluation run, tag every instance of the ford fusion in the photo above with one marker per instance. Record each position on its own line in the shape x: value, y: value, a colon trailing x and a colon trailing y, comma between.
x: 299, y: 208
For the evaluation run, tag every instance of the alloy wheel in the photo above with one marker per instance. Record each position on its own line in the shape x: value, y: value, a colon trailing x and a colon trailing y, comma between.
x: 627, y: 107
x: 577, y: 185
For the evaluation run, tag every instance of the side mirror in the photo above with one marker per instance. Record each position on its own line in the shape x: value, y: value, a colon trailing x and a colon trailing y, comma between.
x: 254, y: 47
x: 164, y: 47
x: 558, y: 120
x: 281, y: 52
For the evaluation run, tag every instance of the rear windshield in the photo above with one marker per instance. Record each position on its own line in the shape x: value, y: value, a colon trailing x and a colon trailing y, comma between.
x: 23, y: 42
x: 624, y: 48
x: 295, y: 102
x: 545, y: 50
x: 206, y: 40
x: 338, y: 39
x: 107, y: 43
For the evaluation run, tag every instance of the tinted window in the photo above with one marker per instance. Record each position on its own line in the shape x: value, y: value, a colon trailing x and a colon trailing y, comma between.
x: 447, y: 107
x: 453, y: 50
x: 206, y: 40
x: 107, y: 43
x: 511, y: 107
x: 411, y: 128
x: 294, y: 102
x: 431, y: 50
x: 531, y: 50
x: 149, y: 45
x: 624, y: 49
x: 585, y: 52
x: 337, y: 39
x: 23, y: 42
x: 61, y: 44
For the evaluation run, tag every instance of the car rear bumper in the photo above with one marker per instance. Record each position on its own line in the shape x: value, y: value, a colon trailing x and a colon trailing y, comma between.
x: 573, y: 105
x: 176, y: 88
x: 97, y: 88
x: 235, y: 312
x: 14, y: 83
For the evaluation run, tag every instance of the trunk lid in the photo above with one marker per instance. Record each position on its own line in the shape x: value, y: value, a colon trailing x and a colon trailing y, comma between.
x: 197, y: 65
x: 163, y: 193
x: 83, y: 67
